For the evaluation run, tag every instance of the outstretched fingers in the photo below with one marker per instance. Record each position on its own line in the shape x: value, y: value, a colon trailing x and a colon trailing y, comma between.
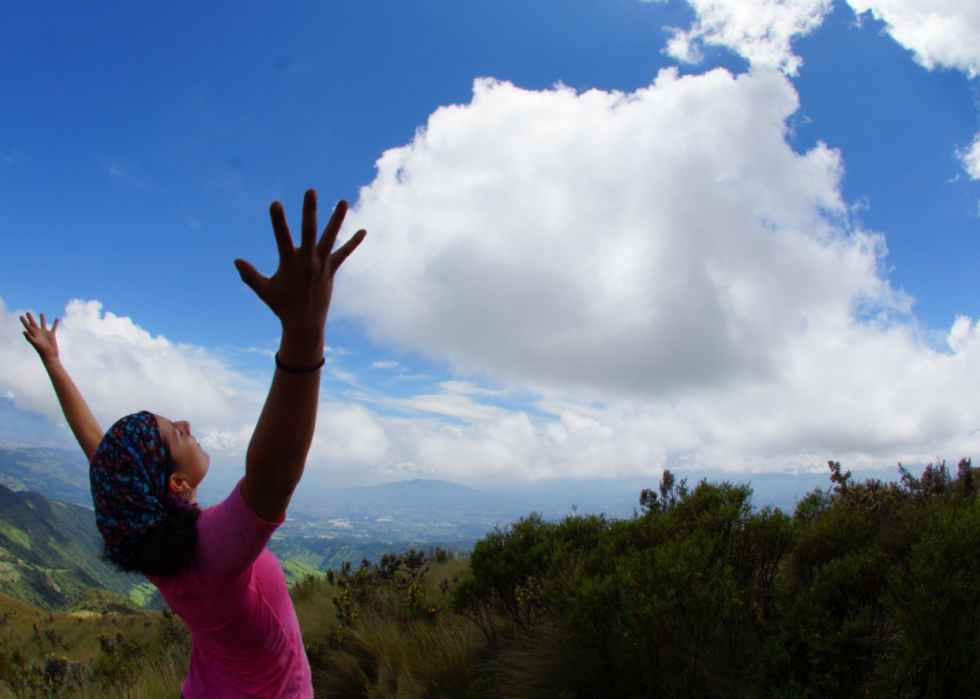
x: 309, y: 228
x: 329, y: 236
x: 30, y: 324
x: 344, y: 251
x: 40, y: 336
x: 284, y: 239
x: 251, y: 276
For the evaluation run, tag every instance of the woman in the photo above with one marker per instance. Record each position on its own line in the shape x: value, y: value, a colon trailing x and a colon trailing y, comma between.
x: 211, y: 566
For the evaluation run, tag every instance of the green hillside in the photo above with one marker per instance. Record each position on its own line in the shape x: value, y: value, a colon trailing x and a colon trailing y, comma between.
x: 100, y: 647
x: 101, y: 602
x: 50, y: 552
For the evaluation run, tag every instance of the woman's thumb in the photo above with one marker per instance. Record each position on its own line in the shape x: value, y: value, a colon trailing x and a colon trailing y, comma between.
x: 249, y: 275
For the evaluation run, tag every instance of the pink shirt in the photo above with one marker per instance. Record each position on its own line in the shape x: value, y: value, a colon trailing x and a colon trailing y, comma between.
x: 246, y: 640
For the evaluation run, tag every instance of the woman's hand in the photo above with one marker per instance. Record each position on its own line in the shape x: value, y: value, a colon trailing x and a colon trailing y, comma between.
x: 41, y: 338
x: 80, y: 419
x: 299, y: 292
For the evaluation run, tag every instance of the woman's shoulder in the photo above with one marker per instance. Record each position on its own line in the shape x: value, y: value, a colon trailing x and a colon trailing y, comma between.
x: 234, y: 506
x: 230, y: 536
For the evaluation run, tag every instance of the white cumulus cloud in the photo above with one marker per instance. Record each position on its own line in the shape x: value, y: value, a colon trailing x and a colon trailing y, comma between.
x: 349, y: 434
x: 619, y: 283
x: 665, y: 252
x: 939, y: 33
x: 120, y: 368
x: 760, y: 31
x: 628, y: 244
x: 944, y: 33
x: 971, y: 159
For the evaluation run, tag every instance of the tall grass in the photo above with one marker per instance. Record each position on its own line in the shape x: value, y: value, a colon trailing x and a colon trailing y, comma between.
x: 405, y: 642
x: 90, y: 655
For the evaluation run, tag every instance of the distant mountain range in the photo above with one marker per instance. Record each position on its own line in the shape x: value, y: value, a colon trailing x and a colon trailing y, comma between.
x: 423, y: 493
x: 22, y: 428
x: 60, y: 474
x: 438, y: 510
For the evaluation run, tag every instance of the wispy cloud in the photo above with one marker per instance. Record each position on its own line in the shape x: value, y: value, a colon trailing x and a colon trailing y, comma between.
x: 384, y: 365
x: 344, y: 376
x: 12, y: 156
x: 123, y: 173
x: 265, y: 352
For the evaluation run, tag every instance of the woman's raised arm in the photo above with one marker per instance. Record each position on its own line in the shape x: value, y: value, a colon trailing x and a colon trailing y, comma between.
x: 80, y: 419
x: 299, y: 294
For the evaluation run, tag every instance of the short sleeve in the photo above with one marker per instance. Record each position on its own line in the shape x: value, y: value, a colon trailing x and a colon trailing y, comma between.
x: 230, y: 537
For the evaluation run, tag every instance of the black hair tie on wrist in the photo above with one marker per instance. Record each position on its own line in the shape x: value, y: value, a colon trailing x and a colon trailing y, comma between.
x: 294, y: 370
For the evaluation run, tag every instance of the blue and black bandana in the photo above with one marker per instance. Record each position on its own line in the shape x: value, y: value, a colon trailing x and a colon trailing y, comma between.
x: 129, y: 484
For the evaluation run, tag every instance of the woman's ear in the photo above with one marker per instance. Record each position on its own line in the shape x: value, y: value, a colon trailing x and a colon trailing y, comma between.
x: 179, y: 487
x: 177, y: 483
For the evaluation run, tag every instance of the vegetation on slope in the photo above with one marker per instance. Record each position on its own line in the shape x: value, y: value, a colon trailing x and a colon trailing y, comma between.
x: 50, y: 551
x: 388, y: 629
x: 90, y: 654
x: 867, y: 589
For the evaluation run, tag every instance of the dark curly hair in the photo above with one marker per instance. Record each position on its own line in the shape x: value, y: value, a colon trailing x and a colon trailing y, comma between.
x: 169, y: 547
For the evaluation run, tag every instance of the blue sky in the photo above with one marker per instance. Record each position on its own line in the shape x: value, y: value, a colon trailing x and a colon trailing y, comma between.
x: 604, y: 237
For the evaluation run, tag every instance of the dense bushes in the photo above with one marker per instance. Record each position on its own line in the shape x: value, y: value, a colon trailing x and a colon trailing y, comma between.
x: 870, y: 589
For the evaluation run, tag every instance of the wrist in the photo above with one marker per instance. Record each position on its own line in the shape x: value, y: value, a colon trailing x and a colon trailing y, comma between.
x: 298, y: 369
x: 301, y: 348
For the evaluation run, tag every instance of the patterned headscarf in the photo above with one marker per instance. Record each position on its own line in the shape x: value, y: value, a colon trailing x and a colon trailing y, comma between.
x: 129, y: 484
